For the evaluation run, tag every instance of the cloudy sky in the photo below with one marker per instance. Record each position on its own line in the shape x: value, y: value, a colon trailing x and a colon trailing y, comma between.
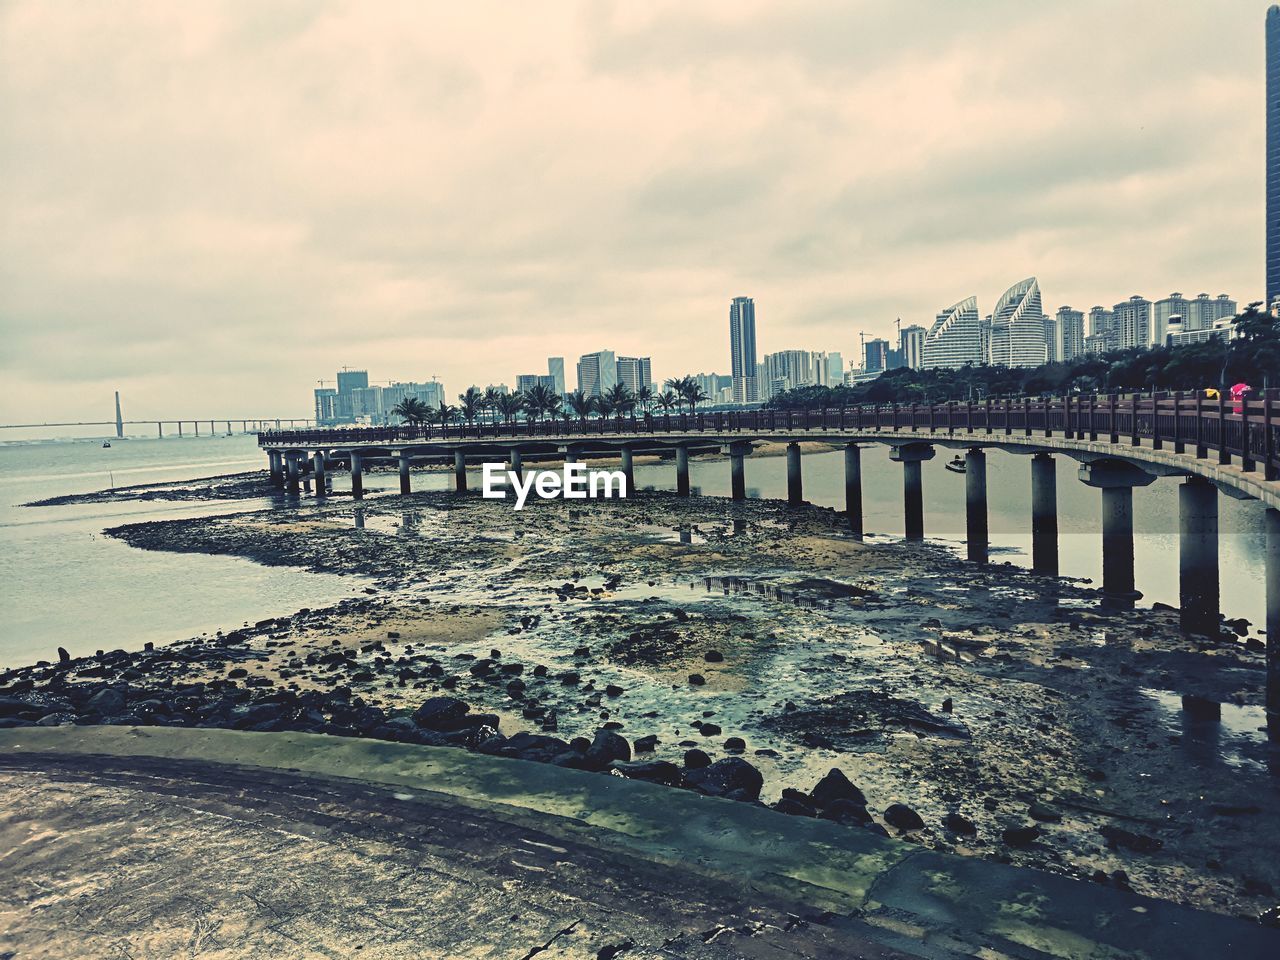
x: 212, y: 205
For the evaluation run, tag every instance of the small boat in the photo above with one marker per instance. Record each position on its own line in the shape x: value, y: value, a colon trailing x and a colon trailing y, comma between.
x: 956, y: 465
x: 106, y: 443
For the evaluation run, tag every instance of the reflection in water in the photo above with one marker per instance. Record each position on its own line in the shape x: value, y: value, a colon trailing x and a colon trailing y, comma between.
x: 743, y: 585
x: 1235, y: 739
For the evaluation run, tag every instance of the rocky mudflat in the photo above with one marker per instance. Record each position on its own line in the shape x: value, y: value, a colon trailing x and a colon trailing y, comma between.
x: 748, y: 650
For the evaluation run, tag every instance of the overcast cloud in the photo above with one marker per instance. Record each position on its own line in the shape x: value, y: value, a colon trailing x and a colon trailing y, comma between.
x: 210, y: 206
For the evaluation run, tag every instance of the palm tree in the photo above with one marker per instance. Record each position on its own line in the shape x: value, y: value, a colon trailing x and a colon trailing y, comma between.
x: 644, y: 399
x: 675, y: 385
x: 666, y: 400
x: 693, y: 393
x: 411, y: 410
x: 509, y: 404
x: 490, y: 399
x: 540, y: 400
x: 446, y: 412
x: 581, y: 404
x: 620, y: 399
x: 471, y: 403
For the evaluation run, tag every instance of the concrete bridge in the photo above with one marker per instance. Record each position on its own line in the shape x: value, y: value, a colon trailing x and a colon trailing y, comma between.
x: 1212, y: 446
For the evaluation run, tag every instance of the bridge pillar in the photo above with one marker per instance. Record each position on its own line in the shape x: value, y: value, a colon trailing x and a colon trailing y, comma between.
x: 1116, y: 480
x: 795, y: 484
x: 853, y: 487
x: 459, y: 471
x: 1271, y: 524
x: 405, y: 486
x: 911, y: 456
x: 317, y: 461
x: 273, y: 465
x: 160, y: 429
x: 629, y: 470
x: 357, y: 477
x: 179, y: 428
x: 682, y: 471
x: 738, y: 469
x: 516, y: 465
x: 975, y: 503
x: 1198, y: 557
x: 1044, y: 515
x: 291, y: 472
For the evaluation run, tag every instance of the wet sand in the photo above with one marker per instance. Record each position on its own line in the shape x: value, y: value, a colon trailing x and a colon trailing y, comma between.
x: 1019, y: 720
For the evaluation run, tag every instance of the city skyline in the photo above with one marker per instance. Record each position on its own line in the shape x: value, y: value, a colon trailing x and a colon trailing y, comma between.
x: 306, y: 209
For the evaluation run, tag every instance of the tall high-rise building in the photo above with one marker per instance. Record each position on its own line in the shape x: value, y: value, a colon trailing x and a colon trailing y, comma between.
x: 875, y: 356
x: 788, y: 369
x: 326, y: 406
x: 1204, y: 311
x: 1067, y: 328
x: 742, y: 350
x: 597, y: 373
x: 1273, y: 155
x: 1017, y: 327
x: 555, y: 369
x: 1101, y: 321
x: 1175, y: 304
x: 835, y: 369
x: 635, y: 372
x: 349, y: 380
x: 1131, y: 325
x: 911, y: 346
x: 955, y: 337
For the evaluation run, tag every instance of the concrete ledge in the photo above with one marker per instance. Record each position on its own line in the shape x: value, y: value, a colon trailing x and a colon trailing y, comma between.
x: 926, y: 903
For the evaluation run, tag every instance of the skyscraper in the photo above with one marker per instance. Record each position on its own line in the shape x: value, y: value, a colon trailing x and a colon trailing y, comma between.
x: 635, y: 372
x: 1017, y: 327
x: 1204, y: 311
x: 955, y: 337
x: 875, y: 356
x: 597, y: 373
x: 742, y: 349
x: 555, y: 368
x: 1273, y: 155
x: 911, y: 346
x: 1067, y: 333
x: 1131, y: 326
x: 1102, y: 326
x: 1175, y: 304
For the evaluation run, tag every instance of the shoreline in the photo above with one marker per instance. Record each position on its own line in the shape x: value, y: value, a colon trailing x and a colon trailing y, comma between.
x: 932, y: 697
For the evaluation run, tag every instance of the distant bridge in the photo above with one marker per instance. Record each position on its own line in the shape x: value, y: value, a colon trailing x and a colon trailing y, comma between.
x: 176, y: 426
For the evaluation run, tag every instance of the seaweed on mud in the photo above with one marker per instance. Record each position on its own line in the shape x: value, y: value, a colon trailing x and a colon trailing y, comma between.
x: 849, y: 718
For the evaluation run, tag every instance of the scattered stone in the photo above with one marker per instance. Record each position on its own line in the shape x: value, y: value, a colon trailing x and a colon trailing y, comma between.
x: 713, y: 656
x: 1137, y: 842
x: 732, y: 778
x: 1020, y: 836
x: 696, y: 759
x: 902, y: 817
x: 958, y: 823
x: 697, y: 679
x: 735, y: 743
x: 836, y: 786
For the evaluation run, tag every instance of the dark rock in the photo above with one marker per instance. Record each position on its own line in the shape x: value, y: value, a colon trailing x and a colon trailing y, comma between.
x: 438, y: 713
x: 958, y: 823
x: 63, y: 656
x: 570, y: 677
x: 107, y: 700
x: 836, y: 786
x: 654, y: 771
x: 1201, y: 708
x: 646, y: 744
x: 606, y: 748
x: 1137, y: 842
x: 731, y: 777
x: 901, y: 817
x: 846, y: 811
x: 796, y: 803
x: 697, y: 679
x: 515, y: 689
x: 14, y: 707
x: 713, y: 656
x: 696, y: 759
x: 1020, y: 836
x: 947, y: 705
x: 710, y: 730
x: 536, y: 747
x: 1044, y: 813
x: 613, y: 690
x: 735, y: 743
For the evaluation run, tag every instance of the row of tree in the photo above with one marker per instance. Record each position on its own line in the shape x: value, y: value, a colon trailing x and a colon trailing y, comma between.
x: 1252, y: 357
x: 541, y: 402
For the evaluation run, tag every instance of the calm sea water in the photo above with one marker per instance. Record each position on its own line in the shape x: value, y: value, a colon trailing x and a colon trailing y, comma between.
x: 64, y: 584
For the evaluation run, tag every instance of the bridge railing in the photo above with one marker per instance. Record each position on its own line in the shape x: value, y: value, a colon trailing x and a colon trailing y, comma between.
x: 1248, y: 428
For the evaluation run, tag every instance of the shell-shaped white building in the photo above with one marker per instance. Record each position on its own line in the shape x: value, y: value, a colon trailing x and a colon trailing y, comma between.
x: 1017, y: 327
x: 955, y: 337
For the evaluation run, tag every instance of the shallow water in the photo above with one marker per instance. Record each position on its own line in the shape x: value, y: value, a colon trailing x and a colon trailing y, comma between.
x: 67, y: 585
